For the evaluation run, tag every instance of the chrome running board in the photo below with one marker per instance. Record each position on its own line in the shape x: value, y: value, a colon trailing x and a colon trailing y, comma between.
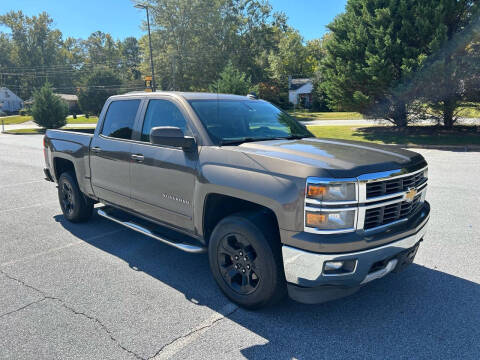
x: 190, y: 248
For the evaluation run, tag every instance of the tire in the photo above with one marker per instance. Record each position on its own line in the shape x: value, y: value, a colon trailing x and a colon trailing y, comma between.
x: 245, y: 260
x: 76, y: 207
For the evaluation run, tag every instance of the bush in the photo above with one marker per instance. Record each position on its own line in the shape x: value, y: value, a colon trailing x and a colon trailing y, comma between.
x: 48, y: 111
x: 23, y: 112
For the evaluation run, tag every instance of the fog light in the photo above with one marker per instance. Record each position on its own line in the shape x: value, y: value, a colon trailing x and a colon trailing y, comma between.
x: 333, y: 265
x: 339, y: 267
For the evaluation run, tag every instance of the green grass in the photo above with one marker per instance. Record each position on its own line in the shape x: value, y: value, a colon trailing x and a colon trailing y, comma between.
x: 311, y: 116
x: 17, y: 119
x: 25, y: 131
x: 42, y: 131
x: 82, y: 120
x: 469, y: 110
x: 415, y: 135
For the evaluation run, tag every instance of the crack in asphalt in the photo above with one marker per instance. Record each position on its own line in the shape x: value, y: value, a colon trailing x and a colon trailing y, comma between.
x: 22, y: 307
x: 194, y: 331
x: 71, y: 309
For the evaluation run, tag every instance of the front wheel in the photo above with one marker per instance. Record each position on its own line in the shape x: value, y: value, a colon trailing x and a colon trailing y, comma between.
x: 245, y: 260
x: 76, y: 207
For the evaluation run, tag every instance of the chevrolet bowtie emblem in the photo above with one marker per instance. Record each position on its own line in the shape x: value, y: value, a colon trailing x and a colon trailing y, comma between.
x: 410, y: 195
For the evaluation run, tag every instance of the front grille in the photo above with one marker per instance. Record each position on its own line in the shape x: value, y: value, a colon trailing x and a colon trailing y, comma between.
x: 387, y: 187
x: 384, y: 215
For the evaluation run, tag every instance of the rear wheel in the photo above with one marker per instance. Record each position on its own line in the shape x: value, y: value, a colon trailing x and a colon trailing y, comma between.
x: 76, y: 207
x: 245, y: 260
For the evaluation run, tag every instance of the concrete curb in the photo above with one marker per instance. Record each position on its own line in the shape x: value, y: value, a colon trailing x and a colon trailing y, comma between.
x: 465, y: 148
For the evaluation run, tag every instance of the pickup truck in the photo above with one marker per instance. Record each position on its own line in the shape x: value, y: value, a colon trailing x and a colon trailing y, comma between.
x: 277, y: 210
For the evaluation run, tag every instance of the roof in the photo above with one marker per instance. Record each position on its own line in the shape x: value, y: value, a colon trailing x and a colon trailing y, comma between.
x: 2, y: 88
x: 68, y: 97
x: 298, y: 83
x: 186, y: 95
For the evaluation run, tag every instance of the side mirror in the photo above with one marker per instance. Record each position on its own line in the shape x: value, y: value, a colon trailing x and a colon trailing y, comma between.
x: 171, y: 136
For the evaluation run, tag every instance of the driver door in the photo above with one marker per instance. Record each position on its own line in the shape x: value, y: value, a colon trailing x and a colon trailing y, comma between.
x: 163, y: 177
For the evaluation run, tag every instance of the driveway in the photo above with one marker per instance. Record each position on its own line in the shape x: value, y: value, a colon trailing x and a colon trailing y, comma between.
x: 99, y: 291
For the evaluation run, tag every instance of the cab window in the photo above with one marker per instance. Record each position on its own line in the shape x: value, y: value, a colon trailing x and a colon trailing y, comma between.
x: 162, y: 113
x: 120, y: 118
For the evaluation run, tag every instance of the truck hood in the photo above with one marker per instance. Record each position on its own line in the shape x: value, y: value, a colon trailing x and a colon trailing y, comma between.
x: 339, y: 158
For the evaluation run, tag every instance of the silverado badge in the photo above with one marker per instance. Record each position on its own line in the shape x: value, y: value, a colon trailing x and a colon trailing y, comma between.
x: 410, y: 195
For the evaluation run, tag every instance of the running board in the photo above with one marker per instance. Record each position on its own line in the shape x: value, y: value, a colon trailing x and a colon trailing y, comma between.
x: 143, y: 229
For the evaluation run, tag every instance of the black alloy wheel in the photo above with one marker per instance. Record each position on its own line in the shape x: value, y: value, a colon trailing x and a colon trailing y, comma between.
x: 67, y: 198
x: 76, y: 207
x: 245, y: 259
x: 236, y: 261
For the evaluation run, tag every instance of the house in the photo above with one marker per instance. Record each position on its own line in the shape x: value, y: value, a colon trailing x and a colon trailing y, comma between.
x: 300, y: 92
x: 9, y: 102
x: 72, y: 102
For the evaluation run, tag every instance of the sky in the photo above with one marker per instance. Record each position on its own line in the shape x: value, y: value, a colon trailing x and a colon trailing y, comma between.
x: 119, y: 18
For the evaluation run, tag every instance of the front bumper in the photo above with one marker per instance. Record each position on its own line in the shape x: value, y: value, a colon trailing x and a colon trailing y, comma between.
x: 304, y: 270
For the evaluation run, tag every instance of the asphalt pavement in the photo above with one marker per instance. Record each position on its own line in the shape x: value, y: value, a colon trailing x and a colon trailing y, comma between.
x: 99, y: 291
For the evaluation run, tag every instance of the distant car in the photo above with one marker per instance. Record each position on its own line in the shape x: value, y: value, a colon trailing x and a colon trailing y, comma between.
x: 276, y: 208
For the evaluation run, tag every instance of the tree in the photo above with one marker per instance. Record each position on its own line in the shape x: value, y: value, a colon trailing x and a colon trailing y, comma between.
x: 375, y: 48
x: 192, y: 40
x: 49, y: 111
x: 446, y: 76
x: 292, y: 58
x: 34, y: 49
x: 231, y: 81
x: 98, y: 86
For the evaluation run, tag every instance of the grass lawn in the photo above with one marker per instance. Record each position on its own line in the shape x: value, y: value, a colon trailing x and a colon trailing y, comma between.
x: 310, y: 116
x: 42, y: 131
x: 469, y: 110
x: 82, y: 120
x: 414, y: 135
x: 17, y: 119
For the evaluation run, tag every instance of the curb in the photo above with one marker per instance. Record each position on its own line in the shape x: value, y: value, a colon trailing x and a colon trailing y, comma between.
x: 464, y: 148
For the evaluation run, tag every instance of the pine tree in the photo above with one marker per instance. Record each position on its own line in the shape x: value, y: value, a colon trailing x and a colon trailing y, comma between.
x: 232, y: 81
x: 374, y: 50
x: 49, y: 110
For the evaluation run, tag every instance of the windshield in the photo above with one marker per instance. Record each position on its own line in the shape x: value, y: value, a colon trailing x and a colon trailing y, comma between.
x: 237, y: 121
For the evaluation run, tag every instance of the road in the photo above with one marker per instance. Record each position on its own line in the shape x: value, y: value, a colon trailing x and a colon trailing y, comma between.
x: 99, y: 291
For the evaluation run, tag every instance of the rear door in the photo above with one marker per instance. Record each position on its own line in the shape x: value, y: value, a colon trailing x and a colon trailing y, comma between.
x: 163, y: 177
x: 110, y: 153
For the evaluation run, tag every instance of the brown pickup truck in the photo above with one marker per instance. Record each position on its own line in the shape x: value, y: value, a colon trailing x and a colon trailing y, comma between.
x: 276, y: 209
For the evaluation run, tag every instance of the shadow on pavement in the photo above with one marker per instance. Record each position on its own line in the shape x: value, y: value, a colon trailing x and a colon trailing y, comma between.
x: 419, y: 313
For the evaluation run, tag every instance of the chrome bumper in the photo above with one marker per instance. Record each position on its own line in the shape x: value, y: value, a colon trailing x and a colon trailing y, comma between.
x: 306, y: 268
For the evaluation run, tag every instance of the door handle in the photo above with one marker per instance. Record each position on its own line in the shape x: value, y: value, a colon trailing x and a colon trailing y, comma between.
x: 137, y: 157
x: 96, y: 149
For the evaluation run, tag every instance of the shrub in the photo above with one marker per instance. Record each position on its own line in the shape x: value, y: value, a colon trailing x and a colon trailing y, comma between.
x: 48, y: 111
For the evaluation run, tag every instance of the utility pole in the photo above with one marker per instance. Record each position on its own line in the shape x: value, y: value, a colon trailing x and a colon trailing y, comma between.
x: 174, y: 85
x: 144, y: 6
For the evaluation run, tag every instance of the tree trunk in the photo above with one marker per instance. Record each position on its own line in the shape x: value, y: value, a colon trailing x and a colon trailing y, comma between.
x: 449, y: 106
x: 400, y: 114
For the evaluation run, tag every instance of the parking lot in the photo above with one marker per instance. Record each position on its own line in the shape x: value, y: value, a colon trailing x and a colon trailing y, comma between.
x: 100, y: 291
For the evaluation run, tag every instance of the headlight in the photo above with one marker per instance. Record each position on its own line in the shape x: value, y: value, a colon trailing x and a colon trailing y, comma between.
x: 425, y: 173
x: 330, y: 220
x: 332, y: 192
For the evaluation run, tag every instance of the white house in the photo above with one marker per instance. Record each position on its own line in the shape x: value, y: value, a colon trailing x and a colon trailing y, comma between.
x: 9, y: 102
x: 300, y: 92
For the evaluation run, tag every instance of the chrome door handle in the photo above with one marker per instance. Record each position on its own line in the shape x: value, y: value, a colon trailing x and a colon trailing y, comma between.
x: 96, y: 149
x: 137, y: 157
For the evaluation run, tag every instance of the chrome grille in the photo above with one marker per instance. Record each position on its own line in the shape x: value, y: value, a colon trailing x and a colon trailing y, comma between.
x: 384, y: 215
x: 387, y: 187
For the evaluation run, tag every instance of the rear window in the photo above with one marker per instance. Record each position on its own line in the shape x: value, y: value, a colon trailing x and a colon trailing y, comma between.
x: 120, y: 118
